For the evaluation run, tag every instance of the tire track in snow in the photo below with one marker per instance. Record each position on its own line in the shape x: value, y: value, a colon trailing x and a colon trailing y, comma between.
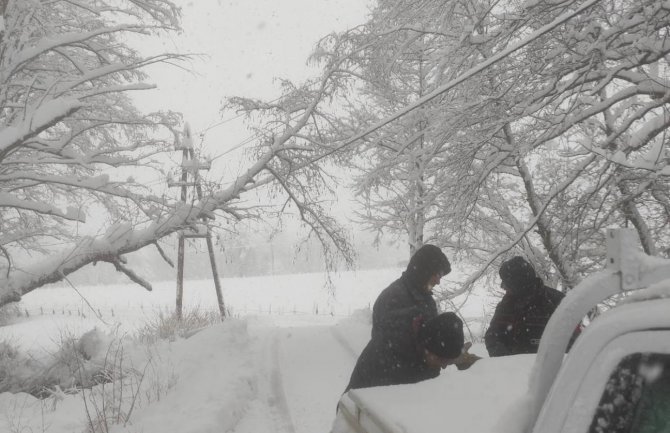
x: 278, y: 396
x: 267, y: 411
x: 315, y: 367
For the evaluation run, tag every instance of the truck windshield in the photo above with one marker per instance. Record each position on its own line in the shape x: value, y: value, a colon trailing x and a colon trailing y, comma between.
x: 636, y: 398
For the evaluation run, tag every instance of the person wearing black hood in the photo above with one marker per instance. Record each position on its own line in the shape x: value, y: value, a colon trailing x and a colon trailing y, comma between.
x: 411, y: 295
x: 522, y: 314
x: 410, y: 342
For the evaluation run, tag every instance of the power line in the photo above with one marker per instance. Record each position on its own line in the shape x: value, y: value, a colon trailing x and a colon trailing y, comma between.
x: 230, y: 119
x: 248, y: 140
x: 216, y: 124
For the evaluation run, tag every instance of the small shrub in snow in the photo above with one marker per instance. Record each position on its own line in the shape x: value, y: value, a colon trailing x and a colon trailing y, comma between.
x: 78, y: 363
x: 167, y: 326
x: 9, y: 363
x: 17, y: 371
x: 9, y: 313
x: 112, y: 377
x: 113, y: 401
x: 7, y: 351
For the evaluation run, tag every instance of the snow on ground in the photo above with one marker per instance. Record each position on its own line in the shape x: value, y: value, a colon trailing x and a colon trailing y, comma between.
x: 279, y: 365
x: 129, y: 306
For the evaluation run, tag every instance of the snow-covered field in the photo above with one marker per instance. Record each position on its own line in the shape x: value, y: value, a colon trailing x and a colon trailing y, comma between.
x: 278, y: 365
x: 289, y: 299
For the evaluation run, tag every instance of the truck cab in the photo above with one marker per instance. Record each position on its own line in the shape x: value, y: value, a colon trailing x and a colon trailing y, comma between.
x: 615, y: 378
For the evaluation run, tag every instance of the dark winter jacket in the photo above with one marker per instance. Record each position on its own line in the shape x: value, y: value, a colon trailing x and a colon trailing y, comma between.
x: 407, y: 297
x: 393, y: 355
x: 392, y: 359
x: 519, y: 320
x: 396, y: 306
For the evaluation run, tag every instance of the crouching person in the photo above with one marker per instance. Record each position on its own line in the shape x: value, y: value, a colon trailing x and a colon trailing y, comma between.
x: 435, y: 344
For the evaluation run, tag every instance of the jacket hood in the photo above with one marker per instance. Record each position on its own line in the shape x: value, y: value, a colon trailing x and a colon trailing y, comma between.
x: 426, y: 262
x: 519, y: 276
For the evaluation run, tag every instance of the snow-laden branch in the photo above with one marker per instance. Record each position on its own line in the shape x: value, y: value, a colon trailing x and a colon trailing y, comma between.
x: 530, y: 225
x: 10, y: 201
x: 65, y: 72
x: 123, y: 238
x: 41, y: 118
x: 470, y: 73
x: 29, y: 54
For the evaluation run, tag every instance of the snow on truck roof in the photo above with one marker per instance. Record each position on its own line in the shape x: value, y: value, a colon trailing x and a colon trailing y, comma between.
x: 654, y: 291
x: 468, y: 401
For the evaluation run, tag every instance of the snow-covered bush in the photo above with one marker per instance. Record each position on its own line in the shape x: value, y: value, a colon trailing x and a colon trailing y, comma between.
x: 9, y: 362
x: 129, y: 376
x: 113, y: 376
x: 8, y: 313
x: 78, y: 363
x: 167, y: 326
x: 19, y: 372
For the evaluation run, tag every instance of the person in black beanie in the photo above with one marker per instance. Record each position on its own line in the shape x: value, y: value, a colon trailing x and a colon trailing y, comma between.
x: 437, y: 343
x: 441, y: 336
x: 523, y: 312
x: 391, y: 356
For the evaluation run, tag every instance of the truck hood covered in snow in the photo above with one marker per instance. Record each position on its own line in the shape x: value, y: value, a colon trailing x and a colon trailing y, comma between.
x: 481, y: 399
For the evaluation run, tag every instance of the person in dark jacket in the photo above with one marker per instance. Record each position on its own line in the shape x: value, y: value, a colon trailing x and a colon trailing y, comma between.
x: 396, y: 351
x: 438, y: 343
x: 522, y: 314
x: 409, y: 296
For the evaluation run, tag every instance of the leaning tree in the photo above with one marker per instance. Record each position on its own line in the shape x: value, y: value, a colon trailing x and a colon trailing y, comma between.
x: 71, y: 135
x: 71, y: 142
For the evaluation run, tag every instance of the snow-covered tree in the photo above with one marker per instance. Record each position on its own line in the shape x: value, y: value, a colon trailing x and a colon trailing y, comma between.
x: 296, y: 139
x: 391, y: 58
x: 71, y: 141
x: 394, y: 173
x: 585, y: 115
x: 70, y: 135
x: 553, y: 125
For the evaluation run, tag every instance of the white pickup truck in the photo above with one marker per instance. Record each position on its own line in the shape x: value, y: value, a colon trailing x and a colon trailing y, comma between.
x: 615, y: 379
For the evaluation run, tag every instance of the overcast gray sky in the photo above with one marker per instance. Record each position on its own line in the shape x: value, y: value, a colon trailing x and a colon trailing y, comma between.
x: 246, y: 45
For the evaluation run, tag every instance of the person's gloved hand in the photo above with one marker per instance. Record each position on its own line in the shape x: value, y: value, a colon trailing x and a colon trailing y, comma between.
x: 466, y: 359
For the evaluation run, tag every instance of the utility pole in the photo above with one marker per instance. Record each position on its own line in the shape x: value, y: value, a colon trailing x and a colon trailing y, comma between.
x: 190, y: 177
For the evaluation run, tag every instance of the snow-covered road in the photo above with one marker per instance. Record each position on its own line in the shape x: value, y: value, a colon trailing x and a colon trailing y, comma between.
x: 302, y: 371
x: 309, y: 356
